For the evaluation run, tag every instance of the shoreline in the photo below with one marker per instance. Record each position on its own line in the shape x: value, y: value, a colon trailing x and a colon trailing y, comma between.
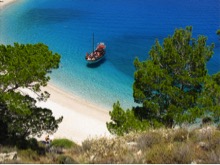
x: 81, y: 119
x: 77, y: 97
x: 4, y: 3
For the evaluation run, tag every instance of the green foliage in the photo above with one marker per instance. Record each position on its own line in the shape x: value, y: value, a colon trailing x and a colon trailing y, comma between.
x: 64, y: 143
x: 29, y: 155
x: 25, y: 66
x: 218, y: 32
x: 154, y: 147
x: 159, y: 146
x: 173, y: 85
x: 124, y: 121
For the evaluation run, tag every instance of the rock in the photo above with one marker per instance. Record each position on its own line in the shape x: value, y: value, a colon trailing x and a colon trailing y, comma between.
x: 139, y: 153
x: 57, y: 150
x: 207, y: 130
x: 196, y: 161
x: 8, y: 156
x: 92, y: 157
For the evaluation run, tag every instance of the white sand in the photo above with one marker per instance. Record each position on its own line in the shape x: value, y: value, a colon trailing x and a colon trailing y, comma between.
x: 81, y: 120
x: 5, y: 2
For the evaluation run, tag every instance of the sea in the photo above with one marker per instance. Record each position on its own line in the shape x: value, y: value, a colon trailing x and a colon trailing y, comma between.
x: 129, y: 29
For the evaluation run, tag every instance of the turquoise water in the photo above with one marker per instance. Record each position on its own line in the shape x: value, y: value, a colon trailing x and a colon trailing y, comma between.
x: 128, y: 28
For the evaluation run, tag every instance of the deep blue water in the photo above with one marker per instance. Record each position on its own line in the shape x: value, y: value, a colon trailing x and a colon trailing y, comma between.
x: 129, y: 29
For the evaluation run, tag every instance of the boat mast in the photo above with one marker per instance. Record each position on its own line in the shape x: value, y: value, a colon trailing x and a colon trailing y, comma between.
x: 92, y: 42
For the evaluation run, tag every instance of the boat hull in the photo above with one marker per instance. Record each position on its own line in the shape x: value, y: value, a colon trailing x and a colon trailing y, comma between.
x: 96, y: 60
x: 96, y: 55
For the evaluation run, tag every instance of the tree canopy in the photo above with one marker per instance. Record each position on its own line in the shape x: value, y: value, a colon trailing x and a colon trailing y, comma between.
x: 25, y: 66
x: 124, y: 121
x: 218, y: 32
x: 173, y: 86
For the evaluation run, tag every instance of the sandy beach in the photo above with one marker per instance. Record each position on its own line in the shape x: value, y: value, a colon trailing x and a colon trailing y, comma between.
x: 81, y: 119
x: 5, y: 2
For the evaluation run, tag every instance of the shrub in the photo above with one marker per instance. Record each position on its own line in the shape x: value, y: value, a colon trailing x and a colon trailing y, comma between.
x: 211, y: 157
x: 169, y: 153
x: 203, y: 134
x: 160, y: 154
x: 218, y: 127
x: 32, y: 143
x: 182, y: 153
x: 180, y: 135
x: 86, y: 145
x: 7, y: 149
x: 206, y: 120
x: 214, y: 142
x: 64, y: 159
x: 105, y: 150
x: 63, y: 143
x: 147, y: 140
x: 28, y: 155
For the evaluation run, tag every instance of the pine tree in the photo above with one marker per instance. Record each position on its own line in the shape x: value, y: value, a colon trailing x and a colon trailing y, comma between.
x: 25, y: 66
x: 173, y: 85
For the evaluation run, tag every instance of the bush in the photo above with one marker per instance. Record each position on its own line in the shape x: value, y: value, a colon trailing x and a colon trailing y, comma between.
x: 7, y: 149
x: 147, y: 140
x: 33, y: 144
x: 28, y: 155
x: 169, y: 154
x: 206, y: 121
x: 180, y: 135
x: 105, y: 150
x: 63, y: 143
x: 63, y: 159
x: 218, y: 127
x: 211, y: 157
x: 214, y: 142
x: 182, y: 153
x: 86, y: 145
x: 160, y: 154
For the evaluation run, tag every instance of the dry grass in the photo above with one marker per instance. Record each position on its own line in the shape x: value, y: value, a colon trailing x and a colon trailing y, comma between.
x: 154, y: 146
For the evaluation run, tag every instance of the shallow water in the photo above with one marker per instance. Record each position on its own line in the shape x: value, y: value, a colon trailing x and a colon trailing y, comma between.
x: 128, y: 28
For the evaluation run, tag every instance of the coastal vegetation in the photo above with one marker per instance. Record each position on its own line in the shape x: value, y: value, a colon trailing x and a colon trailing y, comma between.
x: 172, y: 86
x: 155, y: 146
x: 218, y: 32
x: 25, y: 66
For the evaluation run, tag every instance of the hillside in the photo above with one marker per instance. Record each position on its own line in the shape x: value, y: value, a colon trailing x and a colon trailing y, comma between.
x: 201, y: 145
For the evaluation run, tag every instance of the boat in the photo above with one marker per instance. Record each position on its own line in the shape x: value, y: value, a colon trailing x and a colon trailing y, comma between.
x: 97, y: 54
